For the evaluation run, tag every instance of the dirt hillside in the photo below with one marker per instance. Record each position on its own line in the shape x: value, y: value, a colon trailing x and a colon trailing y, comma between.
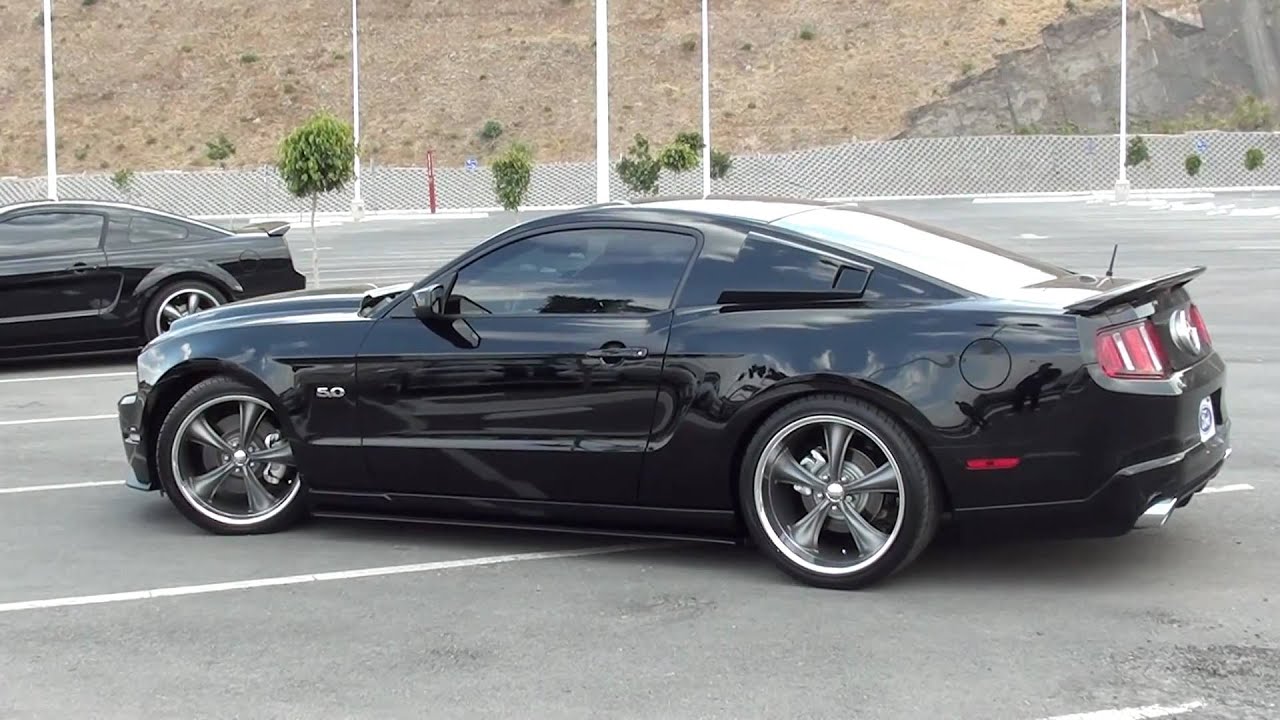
x: 150, y: 84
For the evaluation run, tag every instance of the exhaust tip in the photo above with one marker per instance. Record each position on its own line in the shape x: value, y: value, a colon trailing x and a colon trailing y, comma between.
x: 1157, y: 514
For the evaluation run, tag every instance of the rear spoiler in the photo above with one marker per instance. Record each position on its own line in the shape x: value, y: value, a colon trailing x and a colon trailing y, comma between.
x: 274, y: 228
x: 1130, y: 292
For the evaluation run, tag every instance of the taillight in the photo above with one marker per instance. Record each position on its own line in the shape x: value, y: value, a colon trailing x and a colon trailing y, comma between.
x: 1197, y: 321
x: 1131, y: 351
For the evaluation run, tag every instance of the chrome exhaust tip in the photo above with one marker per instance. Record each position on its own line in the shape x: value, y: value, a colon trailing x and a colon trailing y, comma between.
x: 1157, y: 514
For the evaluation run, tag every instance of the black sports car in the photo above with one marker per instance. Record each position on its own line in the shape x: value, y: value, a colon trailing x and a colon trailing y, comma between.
x: 824, y: 380
x: 80, y: 276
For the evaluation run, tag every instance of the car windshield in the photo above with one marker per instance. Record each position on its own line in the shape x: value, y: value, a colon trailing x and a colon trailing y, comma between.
x: 962, y: 262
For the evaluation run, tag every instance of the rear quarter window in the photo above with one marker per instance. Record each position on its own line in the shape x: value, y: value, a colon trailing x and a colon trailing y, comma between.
x: 960, y: 262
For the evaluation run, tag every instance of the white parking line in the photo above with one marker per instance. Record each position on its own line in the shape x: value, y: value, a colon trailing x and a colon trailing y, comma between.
x: 83, y: 376
x: 60, y: 486
x: 1133, y: 713
x: 73, y: 418
x: 316, y: 577
x: 1228, y: 488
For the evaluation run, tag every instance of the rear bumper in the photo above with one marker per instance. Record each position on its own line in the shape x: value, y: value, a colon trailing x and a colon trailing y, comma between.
x: 1145, y: 494
x: 129, y: 414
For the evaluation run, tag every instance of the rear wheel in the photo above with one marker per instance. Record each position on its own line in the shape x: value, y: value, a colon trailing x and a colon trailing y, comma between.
x: 225, y: 463
x: 837, y: 493
x: 177, y: 300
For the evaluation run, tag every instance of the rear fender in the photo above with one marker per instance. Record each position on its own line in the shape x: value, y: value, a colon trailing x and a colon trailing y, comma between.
x: 202, y: 270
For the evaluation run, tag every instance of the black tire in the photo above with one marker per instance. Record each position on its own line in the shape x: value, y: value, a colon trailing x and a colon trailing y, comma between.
x: 151, y: 315
x: 919, y: 510
x: 290, y: 512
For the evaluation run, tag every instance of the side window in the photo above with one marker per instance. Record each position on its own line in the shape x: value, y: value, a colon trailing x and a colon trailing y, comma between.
x: 765, y: 264
x: 590, y: 271
x: 50, y: 233
x: 144, y: 230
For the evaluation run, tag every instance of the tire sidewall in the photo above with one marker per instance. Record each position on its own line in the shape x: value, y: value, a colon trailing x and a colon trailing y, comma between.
x: 919, y: 504
x: 202, y: 392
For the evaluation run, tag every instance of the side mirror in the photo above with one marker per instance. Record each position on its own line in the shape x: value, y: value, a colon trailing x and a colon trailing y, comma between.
x: 428, y: 302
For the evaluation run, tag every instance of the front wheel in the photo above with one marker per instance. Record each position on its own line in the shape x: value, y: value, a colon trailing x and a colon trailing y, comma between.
x: 837, y: 493
x: 225, y: 463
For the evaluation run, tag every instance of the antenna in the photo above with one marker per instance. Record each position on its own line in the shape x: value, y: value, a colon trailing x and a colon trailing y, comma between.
x: 1112, y: 266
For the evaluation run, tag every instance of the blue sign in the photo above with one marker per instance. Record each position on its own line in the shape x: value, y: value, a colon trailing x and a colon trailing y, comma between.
x: 472, y: 164
x: 1201, y: 145
x: 1090, y: 146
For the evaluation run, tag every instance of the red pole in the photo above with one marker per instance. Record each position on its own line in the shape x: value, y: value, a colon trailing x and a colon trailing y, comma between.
x: 431, y: 179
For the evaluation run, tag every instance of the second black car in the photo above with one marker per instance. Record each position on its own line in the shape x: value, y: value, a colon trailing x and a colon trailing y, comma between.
x: 81, y: 276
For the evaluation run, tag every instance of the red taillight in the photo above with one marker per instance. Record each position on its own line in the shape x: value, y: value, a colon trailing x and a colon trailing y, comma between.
x: 1197, y: 322
x: 1131, y: 351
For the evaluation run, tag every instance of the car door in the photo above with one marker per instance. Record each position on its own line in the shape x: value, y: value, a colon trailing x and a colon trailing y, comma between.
x: 53, y: 277
x: 542, y: 383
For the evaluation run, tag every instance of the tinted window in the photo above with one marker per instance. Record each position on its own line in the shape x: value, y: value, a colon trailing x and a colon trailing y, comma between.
x: 149, y: 230
x: 577, y: 272
x: 765, y: 264
x: 49, y: 233
x: 958, y: 261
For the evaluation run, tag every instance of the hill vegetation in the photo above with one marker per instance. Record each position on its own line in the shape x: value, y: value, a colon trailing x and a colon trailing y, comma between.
x: 155, y: 84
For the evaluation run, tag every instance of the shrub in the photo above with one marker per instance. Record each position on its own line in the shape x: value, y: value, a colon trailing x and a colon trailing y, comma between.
x: 491, y: 131
x: 317, y: 157
x: 637, y: 168
x: 721, y: 163
x: 1136, y: 152
x: 512, y: 172
x: 1192, y: 164
x: 219, y: 149
x: 122, y: 179
x: 1253, y: 159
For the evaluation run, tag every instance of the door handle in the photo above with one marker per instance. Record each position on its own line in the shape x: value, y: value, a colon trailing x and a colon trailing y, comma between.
x: 618, y: 353
x: 81, y: 267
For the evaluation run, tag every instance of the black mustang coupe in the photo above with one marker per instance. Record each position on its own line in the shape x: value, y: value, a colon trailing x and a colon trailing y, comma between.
x: 823, y: 380
x: 83, y: 276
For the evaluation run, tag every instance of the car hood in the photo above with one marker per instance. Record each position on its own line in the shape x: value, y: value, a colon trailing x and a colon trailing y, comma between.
x: 296, y: 305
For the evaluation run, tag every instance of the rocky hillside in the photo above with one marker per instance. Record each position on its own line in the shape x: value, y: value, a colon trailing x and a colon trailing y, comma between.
x: 151, y: 84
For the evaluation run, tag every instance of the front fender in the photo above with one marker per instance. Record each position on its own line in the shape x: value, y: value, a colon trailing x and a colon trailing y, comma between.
x: 187, y: 267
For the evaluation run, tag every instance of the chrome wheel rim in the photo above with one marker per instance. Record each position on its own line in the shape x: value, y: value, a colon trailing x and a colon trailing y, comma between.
x: 181, y: 304
x: 232, y: 463
x: 829, y: 521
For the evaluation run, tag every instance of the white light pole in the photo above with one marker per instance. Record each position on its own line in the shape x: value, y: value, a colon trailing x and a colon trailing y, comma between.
x: 357, y: 204
x: 50, y: 135
x: 1122, y: 182
x: 602, y: 101
x: 706, y: 104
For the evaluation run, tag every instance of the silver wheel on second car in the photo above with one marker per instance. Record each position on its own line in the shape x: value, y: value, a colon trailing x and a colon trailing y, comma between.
x: 181, y: 303
x: 231, y: 462
x: 828, y: 494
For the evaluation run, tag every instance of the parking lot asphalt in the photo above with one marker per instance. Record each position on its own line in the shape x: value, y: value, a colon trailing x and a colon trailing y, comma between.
x: 460, y: 622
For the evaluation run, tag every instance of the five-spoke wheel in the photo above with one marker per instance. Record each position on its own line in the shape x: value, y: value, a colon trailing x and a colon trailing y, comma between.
x: 838, y: 492
x: 178, y: 300
x: 225, y: 461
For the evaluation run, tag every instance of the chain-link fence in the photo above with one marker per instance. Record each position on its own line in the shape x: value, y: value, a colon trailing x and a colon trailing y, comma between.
x: 908, y: 167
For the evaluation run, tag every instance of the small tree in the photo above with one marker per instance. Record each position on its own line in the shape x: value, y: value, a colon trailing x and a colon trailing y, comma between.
x: 317, y: 157
x: 512, y: 172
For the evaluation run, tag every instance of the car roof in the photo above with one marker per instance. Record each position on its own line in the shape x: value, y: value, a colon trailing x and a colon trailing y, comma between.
x: 942, y: 255
x: 108, y: 204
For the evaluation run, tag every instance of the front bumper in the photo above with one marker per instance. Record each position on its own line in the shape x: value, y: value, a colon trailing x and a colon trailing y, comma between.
x: 129, y: 414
